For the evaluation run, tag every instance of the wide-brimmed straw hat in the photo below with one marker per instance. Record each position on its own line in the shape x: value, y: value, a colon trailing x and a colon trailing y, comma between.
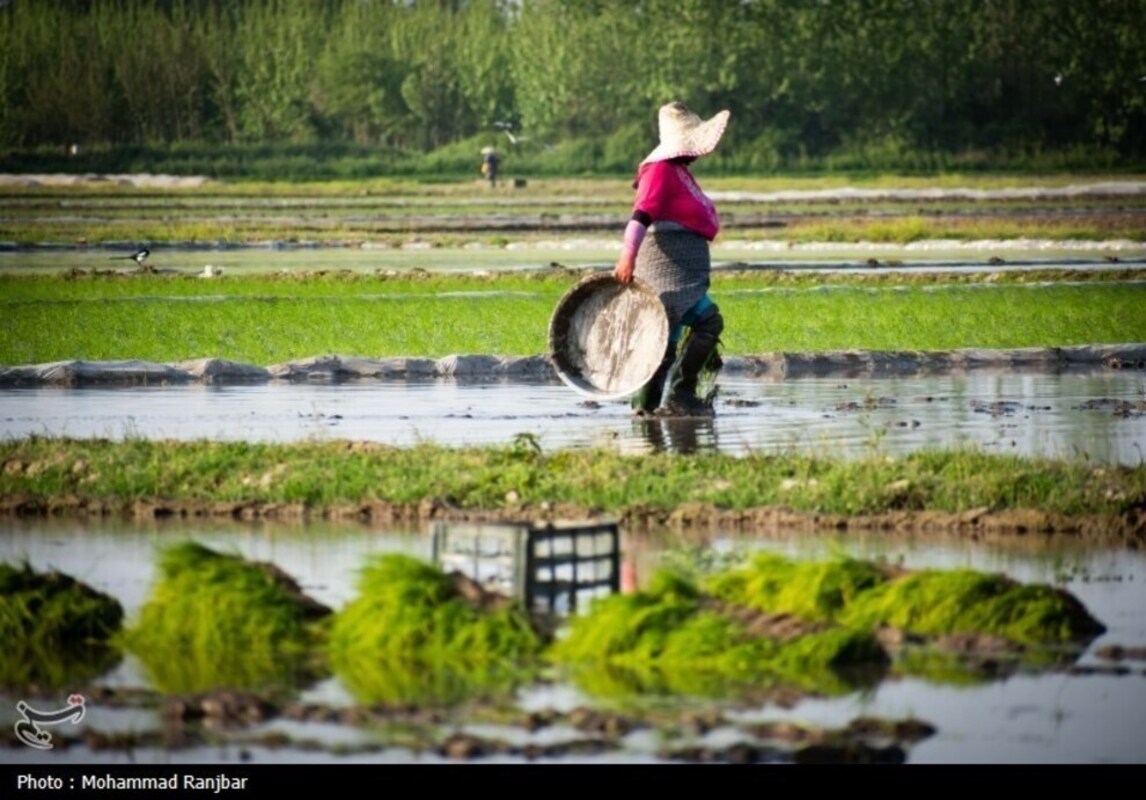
x: 683, y: 133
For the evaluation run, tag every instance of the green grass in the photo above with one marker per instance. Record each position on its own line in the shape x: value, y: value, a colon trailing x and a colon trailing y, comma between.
x: 323, y: 475
x: 272, y: 319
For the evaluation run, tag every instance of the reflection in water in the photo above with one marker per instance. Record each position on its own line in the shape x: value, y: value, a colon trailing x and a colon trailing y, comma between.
x: 60, y: 668
x: 684, y: 435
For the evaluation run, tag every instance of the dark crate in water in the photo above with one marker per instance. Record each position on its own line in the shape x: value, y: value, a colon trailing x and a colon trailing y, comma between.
x: 555, y: 568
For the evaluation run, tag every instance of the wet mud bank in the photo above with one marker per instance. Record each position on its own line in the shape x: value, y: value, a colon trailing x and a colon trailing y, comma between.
x: 339, y: 368
x: 981, y: 525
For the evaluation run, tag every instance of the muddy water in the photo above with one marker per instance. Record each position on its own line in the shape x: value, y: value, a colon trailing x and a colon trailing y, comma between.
x: 1086, y: 712
x: 1093, y: 414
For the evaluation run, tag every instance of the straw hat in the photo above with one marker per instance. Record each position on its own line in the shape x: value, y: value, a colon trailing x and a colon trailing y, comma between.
x: 683, y: 133
x: 485, y: 151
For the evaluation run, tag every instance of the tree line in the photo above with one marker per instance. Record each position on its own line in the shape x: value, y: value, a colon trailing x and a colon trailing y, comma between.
x: 878, y: 82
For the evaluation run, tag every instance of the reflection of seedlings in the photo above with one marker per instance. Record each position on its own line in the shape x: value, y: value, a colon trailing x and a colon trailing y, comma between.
x: 218, y: 620
x: 56, y: 630
x: 737, y: 402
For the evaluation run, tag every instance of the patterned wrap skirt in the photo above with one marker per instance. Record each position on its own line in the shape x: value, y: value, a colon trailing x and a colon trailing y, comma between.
x: 674, y: 262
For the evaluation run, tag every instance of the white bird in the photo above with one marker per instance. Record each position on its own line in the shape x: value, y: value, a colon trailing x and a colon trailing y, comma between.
x: 507, y: 126
x: 1058, y: 79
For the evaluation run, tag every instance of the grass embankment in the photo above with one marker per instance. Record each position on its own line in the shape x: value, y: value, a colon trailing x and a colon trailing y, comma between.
x: 271, y: 319
x: 40, y: 474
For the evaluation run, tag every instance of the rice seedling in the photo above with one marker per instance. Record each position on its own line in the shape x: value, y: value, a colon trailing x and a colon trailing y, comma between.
x: 215, y: 619
x: 412, y: 634
x: 670, y: 636
x: 58, y: 632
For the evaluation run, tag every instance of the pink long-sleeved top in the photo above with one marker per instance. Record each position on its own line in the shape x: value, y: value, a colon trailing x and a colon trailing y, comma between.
x: 667, y: 191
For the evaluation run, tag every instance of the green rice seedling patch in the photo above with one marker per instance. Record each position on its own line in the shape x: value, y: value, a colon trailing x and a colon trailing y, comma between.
x: 215, y: 619
x: 413, y: 634
x: 936, y: 602
x: 809, y: 589
x: 671, y: 635
x: 52, y: 608
x: 270, y: 320
x: 814, y: 626
x: 57, y: 631
x: 860, y: 594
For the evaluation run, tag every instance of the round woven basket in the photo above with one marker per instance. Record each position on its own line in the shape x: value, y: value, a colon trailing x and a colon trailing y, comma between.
x: 607, y: 338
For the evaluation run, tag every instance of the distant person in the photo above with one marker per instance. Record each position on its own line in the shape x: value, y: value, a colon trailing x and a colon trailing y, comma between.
x: 489, y: 165
x: 674, y: 259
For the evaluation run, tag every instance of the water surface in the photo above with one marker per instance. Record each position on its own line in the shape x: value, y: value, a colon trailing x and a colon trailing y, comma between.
x: 1095, y: 415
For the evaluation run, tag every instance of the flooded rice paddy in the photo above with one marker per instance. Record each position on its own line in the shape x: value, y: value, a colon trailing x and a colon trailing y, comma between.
x: 1097, y: 414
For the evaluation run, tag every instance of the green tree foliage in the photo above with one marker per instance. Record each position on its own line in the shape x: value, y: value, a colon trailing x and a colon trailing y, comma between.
x: 845, y: 83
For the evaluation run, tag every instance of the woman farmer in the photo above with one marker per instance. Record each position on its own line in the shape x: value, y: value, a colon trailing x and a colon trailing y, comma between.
x: 489, y: 165
x: 666, y: 246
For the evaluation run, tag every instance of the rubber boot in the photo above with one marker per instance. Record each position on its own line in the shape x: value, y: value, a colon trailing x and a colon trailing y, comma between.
x: 682, y: 400
x: 699, y: 352
x: 648, y: 397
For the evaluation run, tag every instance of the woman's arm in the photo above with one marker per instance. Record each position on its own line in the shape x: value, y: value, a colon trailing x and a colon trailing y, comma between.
x: 634, y: 235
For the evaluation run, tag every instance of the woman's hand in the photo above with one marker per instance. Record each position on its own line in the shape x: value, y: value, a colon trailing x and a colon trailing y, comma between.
x: 626, y: 263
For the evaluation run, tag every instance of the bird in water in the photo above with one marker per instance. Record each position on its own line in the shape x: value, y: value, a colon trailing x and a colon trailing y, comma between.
x: 139, y: 256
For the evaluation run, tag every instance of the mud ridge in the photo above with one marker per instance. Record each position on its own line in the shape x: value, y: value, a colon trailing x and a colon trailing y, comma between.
x: 342, y: 368
x: 1039, y: 527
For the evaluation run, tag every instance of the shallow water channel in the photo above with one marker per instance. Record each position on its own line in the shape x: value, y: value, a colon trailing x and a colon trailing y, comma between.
x: 1096, y: 414
x: 1089, y: 711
